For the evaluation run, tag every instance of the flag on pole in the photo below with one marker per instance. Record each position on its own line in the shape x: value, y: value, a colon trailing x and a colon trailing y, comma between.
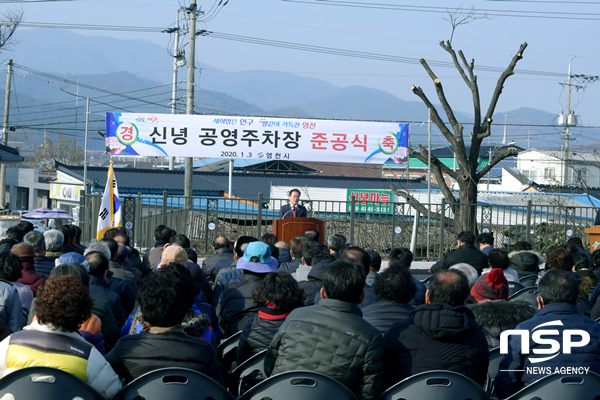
x: 110, y: 209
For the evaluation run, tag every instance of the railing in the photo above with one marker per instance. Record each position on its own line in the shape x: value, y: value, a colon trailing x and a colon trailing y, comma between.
x: 378, y: 226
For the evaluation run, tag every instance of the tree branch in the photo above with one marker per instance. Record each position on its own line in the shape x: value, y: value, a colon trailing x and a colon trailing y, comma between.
x: 423, y: 157
x: 510, y: 70
x: 414, y: 203
x: 495, y: 161
x: 474, y: 91
x: 448, y: 47
x: 435, y: 117
x: 458, y: 128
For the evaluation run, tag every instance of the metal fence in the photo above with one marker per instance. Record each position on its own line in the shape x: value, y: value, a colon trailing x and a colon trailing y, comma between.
x: 378, y: 226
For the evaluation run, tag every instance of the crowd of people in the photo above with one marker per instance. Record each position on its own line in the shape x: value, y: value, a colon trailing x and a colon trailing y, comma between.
x: 108, y: 314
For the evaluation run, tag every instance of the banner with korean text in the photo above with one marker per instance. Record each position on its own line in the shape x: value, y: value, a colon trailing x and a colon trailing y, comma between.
x: 256, y: 138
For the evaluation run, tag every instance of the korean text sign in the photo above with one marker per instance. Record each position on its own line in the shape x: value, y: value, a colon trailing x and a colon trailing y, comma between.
x: 370, y: 201
x: 256, y: 138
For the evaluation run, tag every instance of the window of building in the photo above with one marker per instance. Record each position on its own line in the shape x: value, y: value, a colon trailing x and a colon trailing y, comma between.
x: 548, y: 173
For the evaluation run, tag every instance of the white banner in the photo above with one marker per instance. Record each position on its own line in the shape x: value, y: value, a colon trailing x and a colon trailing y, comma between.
x: 256, y: 138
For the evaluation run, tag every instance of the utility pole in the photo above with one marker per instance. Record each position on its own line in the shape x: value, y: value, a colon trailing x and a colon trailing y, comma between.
x: 568, y: 127
x: 5, y: 133
x: 178, y: 61
x: 188, y: 174
x: 528, y: 140
x: 85, y: 151
x: 428, y: 179
x: 504, y: 139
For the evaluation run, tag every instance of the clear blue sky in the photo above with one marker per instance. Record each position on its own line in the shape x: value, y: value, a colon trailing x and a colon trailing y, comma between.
x: 399, y: 33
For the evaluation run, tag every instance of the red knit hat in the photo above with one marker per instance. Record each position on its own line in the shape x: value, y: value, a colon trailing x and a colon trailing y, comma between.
x: 491, y: 286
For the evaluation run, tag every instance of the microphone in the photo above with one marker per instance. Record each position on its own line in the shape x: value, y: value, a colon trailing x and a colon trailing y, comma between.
x: 293, y: 208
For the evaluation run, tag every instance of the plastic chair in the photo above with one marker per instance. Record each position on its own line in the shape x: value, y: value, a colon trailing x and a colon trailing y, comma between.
x: 46, y: 383
x: 514, y: 287
x: 227, y: 351
x: 528, y: 295
x: 255, y: 363
x: 435, y: 385
x: 561, y: 387
x: 299, y: 385
x: 529, y: 280
x: 493, y: 368
x: 584, y: 306
x: 174, y: 383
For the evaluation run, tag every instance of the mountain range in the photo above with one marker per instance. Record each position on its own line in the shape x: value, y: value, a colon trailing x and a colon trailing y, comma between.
x: 46, y: 75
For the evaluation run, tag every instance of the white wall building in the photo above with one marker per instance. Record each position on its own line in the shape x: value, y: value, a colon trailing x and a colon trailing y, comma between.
x: 547, y: 166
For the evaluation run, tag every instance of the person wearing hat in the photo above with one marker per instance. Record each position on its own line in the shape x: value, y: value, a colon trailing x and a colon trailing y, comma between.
x: 29, y: 278
x: 492, y: 312
x: 235, y: 305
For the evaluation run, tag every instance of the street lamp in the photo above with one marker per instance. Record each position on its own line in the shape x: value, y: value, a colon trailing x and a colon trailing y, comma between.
x: 490, y: 151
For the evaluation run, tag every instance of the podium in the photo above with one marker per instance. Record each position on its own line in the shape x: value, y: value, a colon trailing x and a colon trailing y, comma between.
x: 289, y: 228
x: 594, y: 233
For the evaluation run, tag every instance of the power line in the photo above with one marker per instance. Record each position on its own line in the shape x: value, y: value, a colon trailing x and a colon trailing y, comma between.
x: 358, y: 54
x: 444, y: 10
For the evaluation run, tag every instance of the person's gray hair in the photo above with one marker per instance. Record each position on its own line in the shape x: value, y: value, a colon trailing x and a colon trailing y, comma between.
x: 54, y: 240
x: 282, y: 245
x: 336, y: 242
x: 36, y: 240
x: 99, y: 247
x: 469, y: 271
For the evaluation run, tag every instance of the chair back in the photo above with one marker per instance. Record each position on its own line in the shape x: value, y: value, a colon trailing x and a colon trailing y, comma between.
x: 529, y: 280
x: 528, y: 295
x: 46, y: 383
x: 560, y: 387
x: 514, y: 287
x: 584, y: 306
x: 493, y: 368
x: 299, y: 385
x: 435, y: 385
x: 227, y: 351
x: 238, y: 383
x: 174, y: 383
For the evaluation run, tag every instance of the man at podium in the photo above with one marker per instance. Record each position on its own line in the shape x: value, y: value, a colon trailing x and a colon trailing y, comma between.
x: 292, y: 209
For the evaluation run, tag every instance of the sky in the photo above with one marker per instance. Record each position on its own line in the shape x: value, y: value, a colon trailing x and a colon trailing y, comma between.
x: 386, y: 27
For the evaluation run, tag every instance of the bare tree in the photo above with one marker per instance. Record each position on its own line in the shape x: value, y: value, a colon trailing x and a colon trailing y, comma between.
x: 10, y: 20
x: 462, y: 16
x: 467, y: 176
x: 59, y: 149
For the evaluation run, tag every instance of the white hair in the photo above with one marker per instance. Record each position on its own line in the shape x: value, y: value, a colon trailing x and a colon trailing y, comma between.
x: 469, y: 271
x: 54, y: 240
x: 100, y: 247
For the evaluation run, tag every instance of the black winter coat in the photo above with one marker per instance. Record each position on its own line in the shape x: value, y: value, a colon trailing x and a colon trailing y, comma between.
x: 467, y: 253
x: 526, y: 262
x: 43, y: 266
x: 437, y: 336
x: 495, y: 317
x: 135, y: 355
x: 256, y: 337
x: 333, y: 339
x: 383, y: 314
x: 236, y: 305
x: 210, y: 263
x: 7, y: 244
x: 314, y: 283
x: 419, y: 294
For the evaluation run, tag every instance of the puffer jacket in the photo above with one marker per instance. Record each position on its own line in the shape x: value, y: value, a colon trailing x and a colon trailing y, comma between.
x: 119, y: 270
x: 36, y: 344
x: 7, y: 244
x: 314, y: 283
x: 236, y: 305
x: 123, y: 289
x: 383, y: 314
x: 224, y: 280
x: 43, y: 266
x: 526, y: 262
x: 256, y: 337
x: 155, y: 348
x: 312, y: 337
x: 495, y: 317
x: 437, y: 336
x: 10, y: 307
x: 513, y: 367
x: 419, y: 294
x: 91, y: 331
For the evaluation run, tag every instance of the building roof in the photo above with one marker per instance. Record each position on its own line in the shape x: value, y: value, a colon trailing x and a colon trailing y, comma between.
x: 268, y: 166
x: 212, y: 183
x: 10, y: 155
x: 518, y: 175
